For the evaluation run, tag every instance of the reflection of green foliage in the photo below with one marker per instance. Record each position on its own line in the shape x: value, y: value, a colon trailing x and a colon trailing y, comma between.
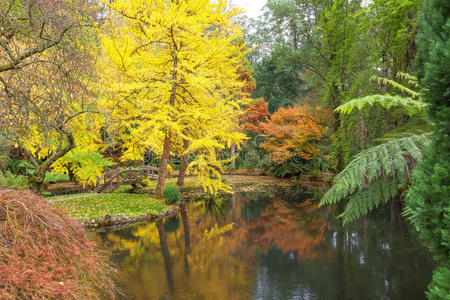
x: 213, y: 205
x: 171, y: 225
x: 254, y: 205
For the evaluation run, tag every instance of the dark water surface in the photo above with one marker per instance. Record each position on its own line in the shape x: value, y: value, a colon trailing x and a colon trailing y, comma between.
x: 268, y: 245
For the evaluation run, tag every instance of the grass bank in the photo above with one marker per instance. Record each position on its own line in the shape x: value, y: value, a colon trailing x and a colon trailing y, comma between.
x: 98, y: 205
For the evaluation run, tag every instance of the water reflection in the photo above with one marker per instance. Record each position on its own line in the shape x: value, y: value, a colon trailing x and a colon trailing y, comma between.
x: 267, y: 246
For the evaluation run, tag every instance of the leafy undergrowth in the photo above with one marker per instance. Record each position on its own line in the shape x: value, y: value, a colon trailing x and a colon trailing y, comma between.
x: 46, y: 255
x: 111, y: 204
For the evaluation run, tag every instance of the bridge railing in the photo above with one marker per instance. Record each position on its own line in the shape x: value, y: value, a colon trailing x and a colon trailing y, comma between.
x: 118, y: 177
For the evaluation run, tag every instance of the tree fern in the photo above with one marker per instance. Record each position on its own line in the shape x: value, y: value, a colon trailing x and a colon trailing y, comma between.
x: 409, y: 105
x: 411, y: 80
x: 374, y: 176
x: 412, y: 105
x: 365, y: 200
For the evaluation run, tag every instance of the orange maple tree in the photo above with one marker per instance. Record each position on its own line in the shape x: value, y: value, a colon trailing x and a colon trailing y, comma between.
x: 291, y: 132
x: 256, y: 113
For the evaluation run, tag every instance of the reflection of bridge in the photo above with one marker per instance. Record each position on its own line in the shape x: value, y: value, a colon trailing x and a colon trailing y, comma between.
x: 112, y: 179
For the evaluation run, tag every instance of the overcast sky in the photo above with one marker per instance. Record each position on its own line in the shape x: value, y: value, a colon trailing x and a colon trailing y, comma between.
x: 252, y: 7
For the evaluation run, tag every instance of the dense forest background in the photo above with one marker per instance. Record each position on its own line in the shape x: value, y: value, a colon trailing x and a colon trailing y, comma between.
x: 351, y: 92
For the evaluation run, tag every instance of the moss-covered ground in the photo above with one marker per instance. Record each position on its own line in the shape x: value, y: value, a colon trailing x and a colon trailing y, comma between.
x: 98, y: 205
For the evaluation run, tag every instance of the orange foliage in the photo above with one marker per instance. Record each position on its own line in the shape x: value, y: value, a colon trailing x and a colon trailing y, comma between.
x: 292, y: 130
x: 245, y: 75
x: 255, y: 114
x: 47, y: 255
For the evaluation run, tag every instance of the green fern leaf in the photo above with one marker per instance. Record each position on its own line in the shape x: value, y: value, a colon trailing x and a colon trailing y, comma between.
x: 375, y: 175
x: 409, y: 105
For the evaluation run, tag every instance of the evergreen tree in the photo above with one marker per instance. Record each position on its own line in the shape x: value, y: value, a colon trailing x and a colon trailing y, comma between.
x: 428, y: 201
x: 278, y: 79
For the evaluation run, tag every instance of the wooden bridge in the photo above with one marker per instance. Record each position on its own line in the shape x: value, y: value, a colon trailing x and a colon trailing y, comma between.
x: 112, y: 179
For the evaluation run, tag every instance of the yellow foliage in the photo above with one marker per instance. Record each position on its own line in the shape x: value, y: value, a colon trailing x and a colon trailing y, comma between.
x: 170, y: 70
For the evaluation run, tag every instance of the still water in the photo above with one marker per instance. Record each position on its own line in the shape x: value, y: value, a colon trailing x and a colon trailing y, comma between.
x: 267, y: 245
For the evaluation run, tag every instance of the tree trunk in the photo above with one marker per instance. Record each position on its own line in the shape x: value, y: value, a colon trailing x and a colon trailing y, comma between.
x: 362, y: 131
x: 163, y: 166
x: 184, y: 164
x: 233, y: 155
x: 387, y: 116
x: 37, y: 180
x: 339, y: 154
x: 166, y: 149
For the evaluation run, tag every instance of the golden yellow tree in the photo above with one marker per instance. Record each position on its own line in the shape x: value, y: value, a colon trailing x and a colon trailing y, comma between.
x: 171, y: 70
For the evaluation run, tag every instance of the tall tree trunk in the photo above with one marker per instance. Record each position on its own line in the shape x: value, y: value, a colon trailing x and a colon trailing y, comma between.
x: 163, y: 166
x: 362, y: 131
x: 184, y: 164
x: 233, y: 155
x: 166, y: 149
x: 336, y: 126
x: 387, y: 116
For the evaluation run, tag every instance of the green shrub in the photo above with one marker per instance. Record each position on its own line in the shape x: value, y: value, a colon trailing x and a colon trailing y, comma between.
x: 10, y: 179
x: 55, y: 177
x: 46, y: 193
x: 124, y: 188
x: 171, y: 194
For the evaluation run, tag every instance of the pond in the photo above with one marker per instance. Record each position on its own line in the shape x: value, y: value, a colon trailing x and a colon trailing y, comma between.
x: 271, y: 244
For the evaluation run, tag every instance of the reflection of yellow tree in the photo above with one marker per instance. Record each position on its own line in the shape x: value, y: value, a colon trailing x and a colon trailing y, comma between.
x: 215, y: 267
x: 220, y: 262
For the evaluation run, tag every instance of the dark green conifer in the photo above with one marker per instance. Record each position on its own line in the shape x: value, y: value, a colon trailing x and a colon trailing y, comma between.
x: 428, y: 201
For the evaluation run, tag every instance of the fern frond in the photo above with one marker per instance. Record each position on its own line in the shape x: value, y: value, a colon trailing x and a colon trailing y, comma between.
x: 417, y: 125
x: 412, y: 80
x: 411, y: 106
x: 375, y: 175
x: 365, y: 200
x: 397, y: 85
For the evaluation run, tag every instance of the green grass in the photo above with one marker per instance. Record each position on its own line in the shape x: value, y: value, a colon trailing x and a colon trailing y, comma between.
x: 189, y: 181
x: 111, y: 204
x: 66, y: 196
